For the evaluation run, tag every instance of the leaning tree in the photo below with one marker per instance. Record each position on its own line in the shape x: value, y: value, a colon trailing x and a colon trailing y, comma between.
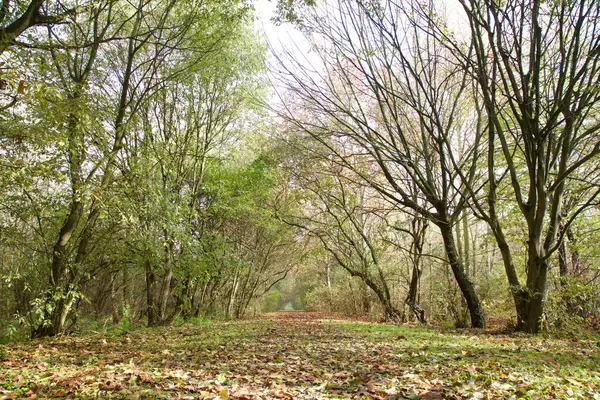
x: 381, y: 89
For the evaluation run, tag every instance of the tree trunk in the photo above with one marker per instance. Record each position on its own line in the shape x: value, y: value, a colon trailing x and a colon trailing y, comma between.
x: 114, y: 304
x: 466, y: 244
x: 537, y: 277
x: 563, y: 262
x: 126, y: 295
x: 517, y: 291
x: 411, y: 297
x: 365, y: 301
x: 62, y: 269
x: 365, y: 283
x: 569, y: 265
x: 418, y: 230
x: 61, y: 276
x: 466, y: 286
x: 458, y: 242
x: 151, y: 308
x: 233, y: 295
x: 165, y: 294
x: 575, y: 264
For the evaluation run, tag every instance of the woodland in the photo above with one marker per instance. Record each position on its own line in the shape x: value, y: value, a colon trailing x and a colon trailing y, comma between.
x: 403, y: 204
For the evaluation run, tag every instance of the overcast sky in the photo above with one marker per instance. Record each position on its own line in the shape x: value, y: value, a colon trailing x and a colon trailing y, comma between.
x: 282, y: 36
x: 285, y: 34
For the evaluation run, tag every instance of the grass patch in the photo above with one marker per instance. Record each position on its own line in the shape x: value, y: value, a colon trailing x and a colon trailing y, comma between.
x: 509, y: 366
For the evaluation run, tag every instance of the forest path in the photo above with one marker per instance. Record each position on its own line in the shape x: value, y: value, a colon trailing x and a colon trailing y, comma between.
x: 299, y: 356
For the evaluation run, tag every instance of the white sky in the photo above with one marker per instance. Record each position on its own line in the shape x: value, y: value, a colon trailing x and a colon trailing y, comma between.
x: 279, y: 37
x: 284, y: 38
x: 286, y: 34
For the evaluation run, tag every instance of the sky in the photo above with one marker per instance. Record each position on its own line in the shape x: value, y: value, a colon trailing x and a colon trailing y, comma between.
x: 285, y: 36
x: 282, y: 36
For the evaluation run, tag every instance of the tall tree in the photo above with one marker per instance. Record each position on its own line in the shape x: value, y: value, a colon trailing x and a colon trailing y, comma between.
x: 124, y: 46
x: 383, y: 89
x: 537, y: 67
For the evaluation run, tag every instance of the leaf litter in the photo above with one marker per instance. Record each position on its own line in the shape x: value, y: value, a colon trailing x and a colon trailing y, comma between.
x: 300, y: 356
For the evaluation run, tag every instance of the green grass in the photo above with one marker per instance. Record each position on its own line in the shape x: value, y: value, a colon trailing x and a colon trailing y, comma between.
x: 533, y: 366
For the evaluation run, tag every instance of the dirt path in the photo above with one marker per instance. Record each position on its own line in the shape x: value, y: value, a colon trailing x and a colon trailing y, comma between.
x: 296, y: 356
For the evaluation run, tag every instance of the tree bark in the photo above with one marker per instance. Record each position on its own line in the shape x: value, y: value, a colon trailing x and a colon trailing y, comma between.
x: 418, y: 230
x: 151, y: 309
x: 467, y: 244
x: 63, y: 270
x: 467, y: 287
x: 534, y: 297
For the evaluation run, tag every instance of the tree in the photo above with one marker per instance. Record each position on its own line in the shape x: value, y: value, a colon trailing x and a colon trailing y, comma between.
x: 127, y: 176
x: 536, y: 65
x: 114, y: 57
x: 416, y: 231
x: 344, y: 217
x: 384, y: 93
x: 17, y: 17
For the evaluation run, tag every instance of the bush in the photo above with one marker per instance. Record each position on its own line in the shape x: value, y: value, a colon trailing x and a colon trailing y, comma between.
x: 11, y: 330
x: 569, y: 308
x: 337, y: 299
x: 272, y: 301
